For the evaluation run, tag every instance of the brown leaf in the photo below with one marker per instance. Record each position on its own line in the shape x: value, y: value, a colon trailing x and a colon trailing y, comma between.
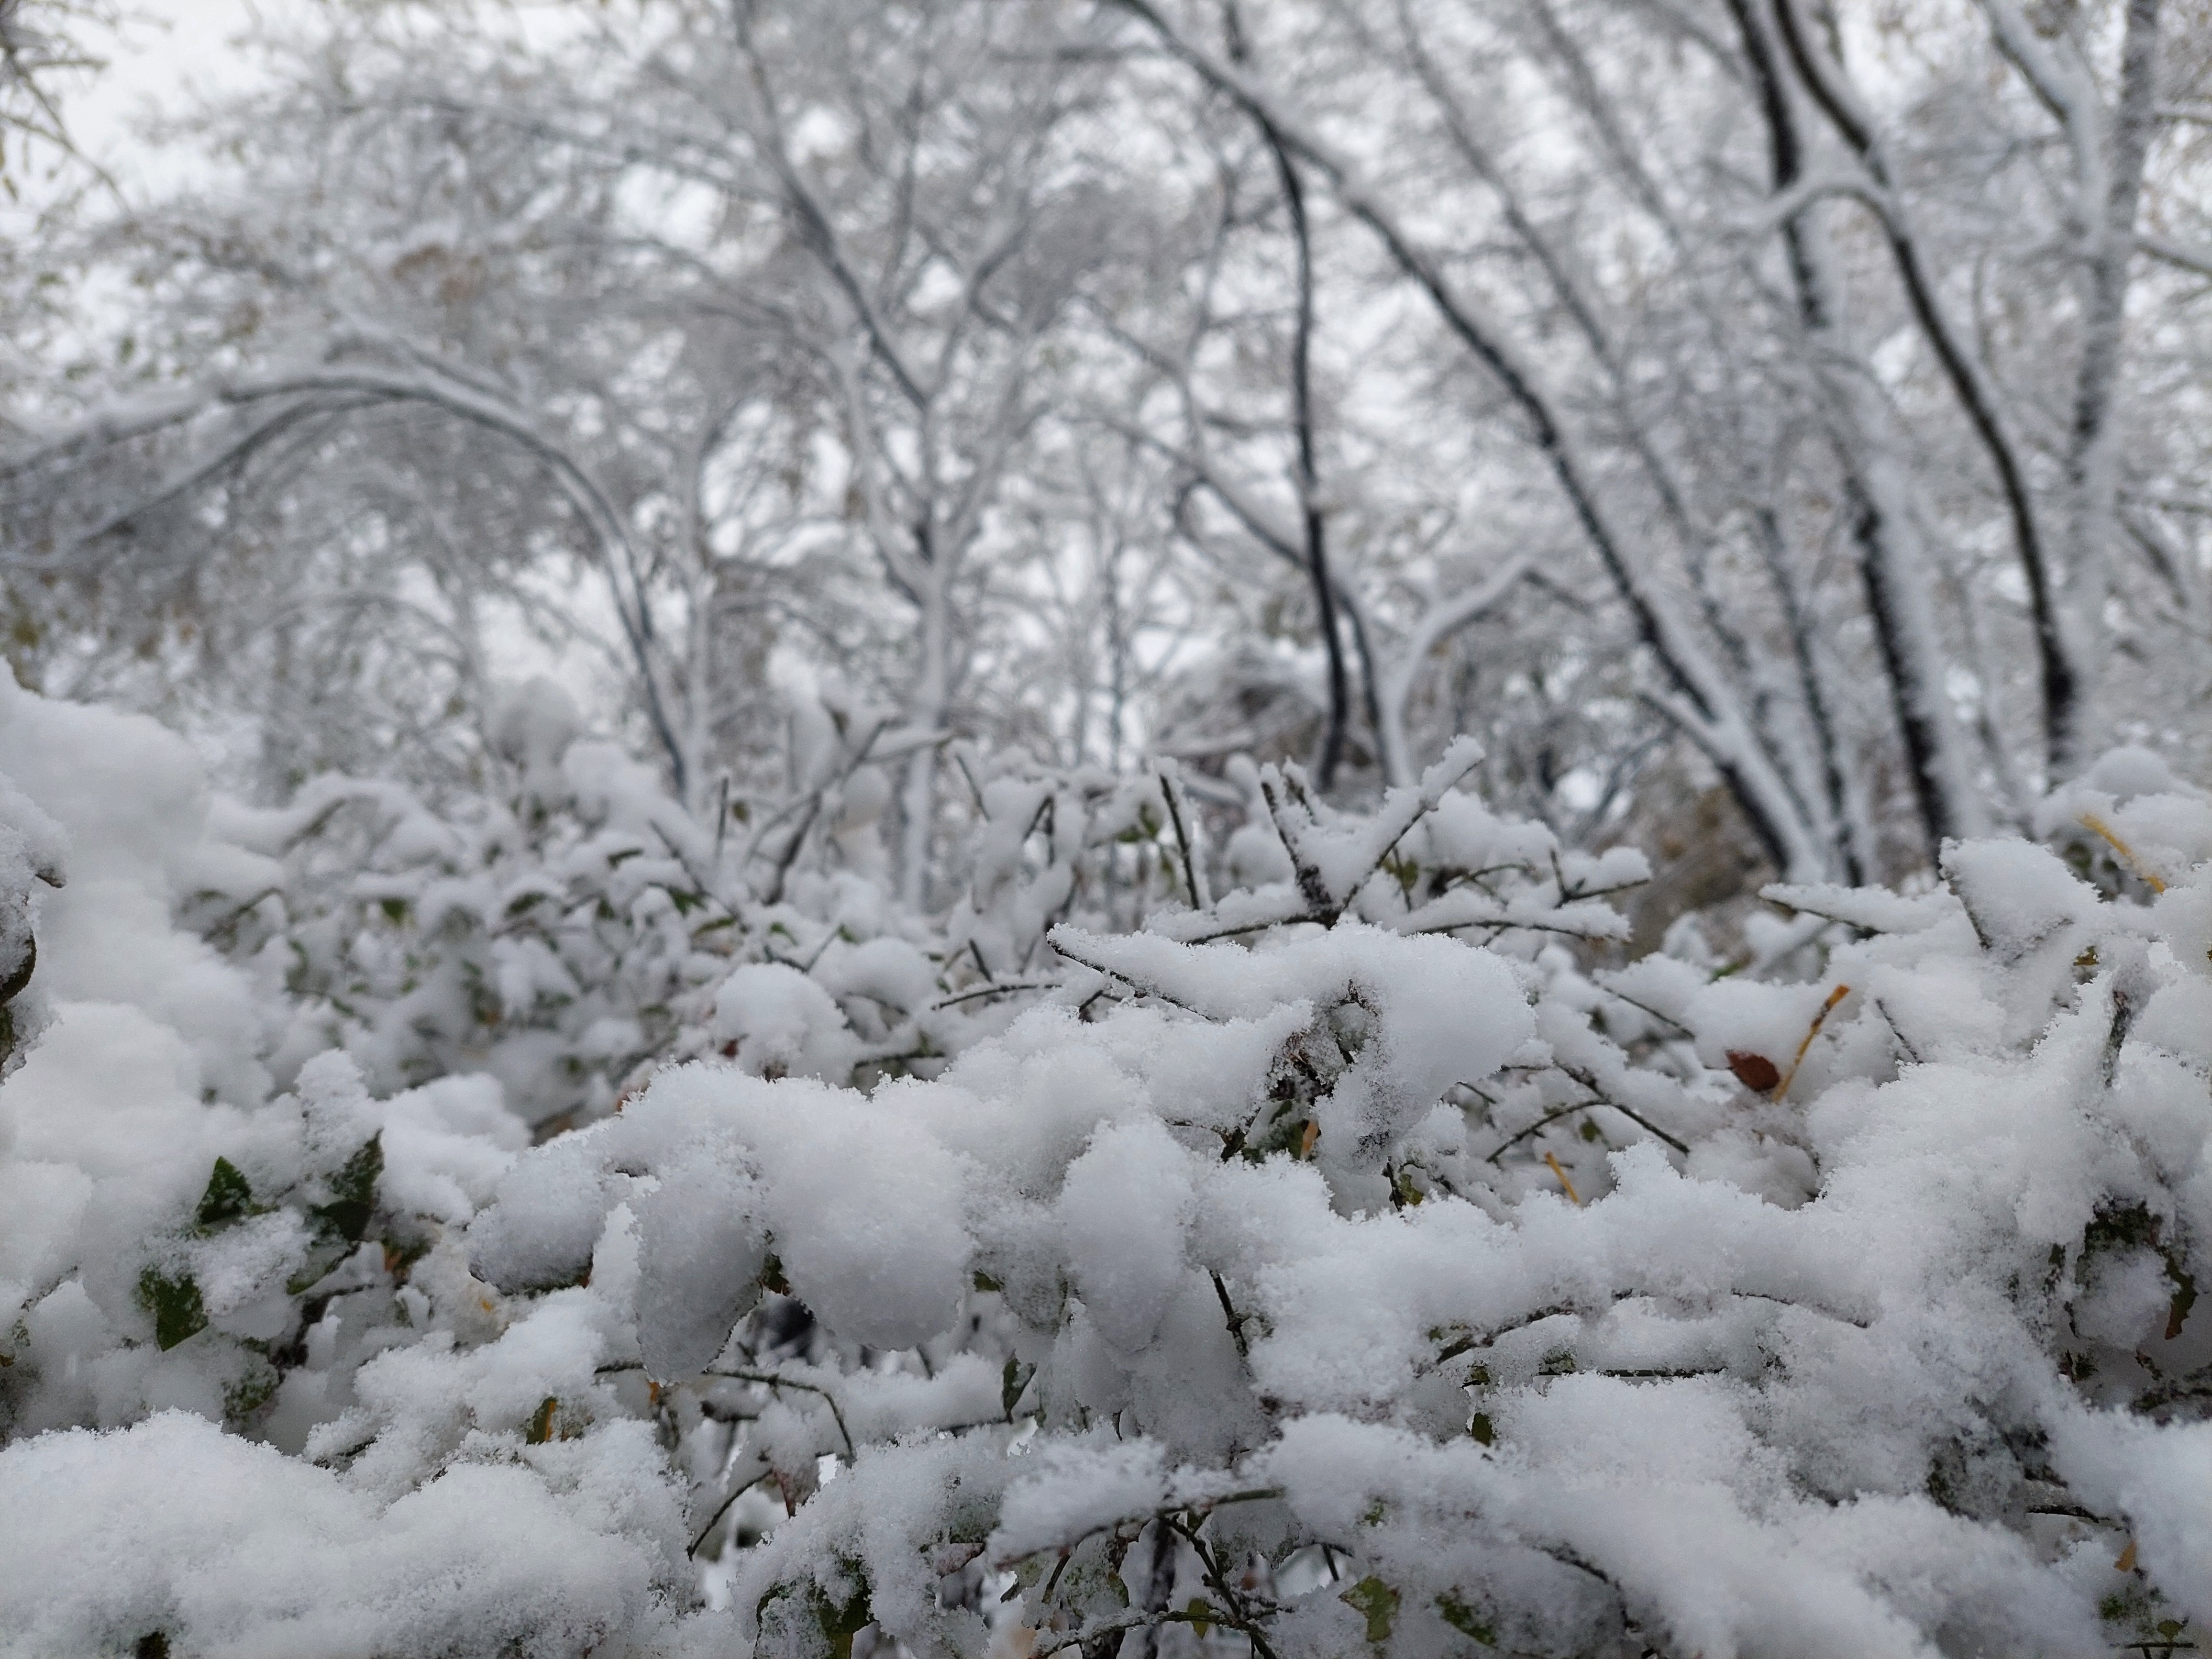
x: 1754, y: 1070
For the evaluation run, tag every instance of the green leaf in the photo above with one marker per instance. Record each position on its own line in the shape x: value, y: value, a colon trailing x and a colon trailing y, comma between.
x: 13, y: 986
x: 1482, y: 1429
x: 250, y: 1392
x: 401, y: 1256
x: 320, y: 1263
x: 2185, y: 1295
x: 228, y: 1198
x: 841, y: 1623
x: 395, y: 910
x: 175, y: 1305
x: 1200, y: 1614
x: 1012, y: 1383
x: 1378, y: 1602
x: 353, y: 1194
x: 1461, y: 1618
x: 541, y: 1422
x: 2119, y: 1226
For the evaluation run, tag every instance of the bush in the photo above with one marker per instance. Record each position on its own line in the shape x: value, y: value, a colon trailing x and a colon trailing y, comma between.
x: 1339, y: 1263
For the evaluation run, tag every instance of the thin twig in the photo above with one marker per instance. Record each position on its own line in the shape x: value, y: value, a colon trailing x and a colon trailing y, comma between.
x: 1804, y: 1048
x: 775, y: 1382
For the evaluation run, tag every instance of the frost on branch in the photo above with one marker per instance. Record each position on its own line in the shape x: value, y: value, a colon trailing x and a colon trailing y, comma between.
x: 1128, y: 1261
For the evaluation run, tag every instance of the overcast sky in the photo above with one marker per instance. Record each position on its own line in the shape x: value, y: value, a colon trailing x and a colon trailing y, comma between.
x: 156, y: 61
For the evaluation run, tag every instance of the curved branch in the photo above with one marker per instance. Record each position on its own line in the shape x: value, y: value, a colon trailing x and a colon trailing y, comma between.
x: 364, y: 385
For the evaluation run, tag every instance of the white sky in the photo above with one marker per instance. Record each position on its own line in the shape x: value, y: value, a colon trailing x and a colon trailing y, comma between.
x: 165, y: 52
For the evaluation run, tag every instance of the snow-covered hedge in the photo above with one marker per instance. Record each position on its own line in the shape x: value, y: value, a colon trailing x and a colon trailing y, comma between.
x: 1334, y: 1266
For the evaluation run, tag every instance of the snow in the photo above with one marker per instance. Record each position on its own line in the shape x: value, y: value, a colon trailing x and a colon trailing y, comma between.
x: 1507, y: 1281
x: 1124, y: 1208
x: 173, y: 1525
x: 775, y: 1022
x: 702, y: 1248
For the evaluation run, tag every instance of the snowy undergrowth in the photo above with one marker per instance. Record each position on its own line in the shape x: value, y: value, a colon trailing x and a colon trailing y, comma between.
x: 1333, y: 1265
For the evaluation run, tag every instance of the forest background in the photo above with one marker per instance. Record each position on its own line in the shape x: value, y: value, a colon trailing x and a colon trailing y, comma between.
x: 1775, y: 436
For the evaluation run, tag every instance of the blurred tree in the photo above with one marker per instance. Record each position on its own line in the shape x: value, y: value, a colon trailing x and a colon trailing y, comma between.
x: 1812, y: 418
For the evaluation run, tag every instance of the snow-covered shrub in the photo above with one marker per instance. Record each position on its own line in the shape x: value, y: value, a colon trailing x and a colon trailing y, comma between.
x: 1344, y: 1263
x: 554, y: 934
x: 576, y: 927
x: 180, y: 1250
x: 1328, y: 1293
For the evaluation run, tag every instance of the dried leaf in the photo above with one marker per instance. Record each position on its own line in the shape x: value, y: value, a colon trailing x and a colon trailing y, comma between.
x: 1755, y: 1071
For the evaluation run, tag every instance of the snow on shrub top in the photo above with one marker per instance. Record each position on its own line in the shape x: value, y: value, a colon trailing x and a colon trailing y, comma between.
x: 1332, y: 1265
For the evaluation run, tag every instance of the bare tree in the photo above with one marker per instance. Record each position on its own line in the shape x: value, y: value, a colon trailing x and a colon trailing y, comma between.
x: 1675, y: 384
